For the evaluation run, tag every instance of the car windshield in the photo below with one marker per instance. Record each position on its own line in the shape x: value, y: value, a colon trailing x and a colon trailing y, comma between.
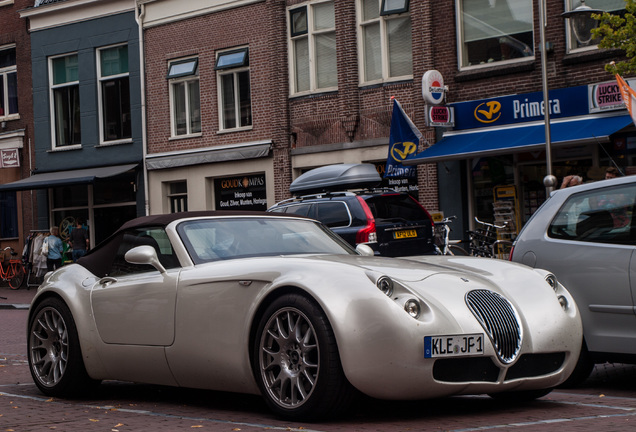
x: 225, y: 238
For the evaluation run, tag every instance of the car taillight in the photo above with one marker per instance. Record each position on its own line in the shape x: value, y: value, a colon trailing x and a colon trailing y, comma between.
x: 368, y: 233
x: 512, y: 249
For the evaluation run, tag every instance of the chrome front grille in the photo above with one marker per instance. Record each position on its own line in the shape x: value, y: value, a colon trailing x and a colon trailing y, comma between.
x: 497, y: 316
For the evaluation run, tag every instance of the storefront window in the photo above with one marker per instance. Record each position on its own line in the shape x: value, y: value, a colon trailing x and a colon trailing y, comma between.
x: 487, y: 174
x: 8, y: 215
x: 494, y: 31
x: 70, y: 196
x: 120, y: 189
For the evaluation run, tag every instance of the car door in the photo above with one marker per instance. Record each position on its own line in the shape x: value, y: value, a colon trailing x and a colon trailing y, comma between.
x: 135, y: 304
x: 590, y: 246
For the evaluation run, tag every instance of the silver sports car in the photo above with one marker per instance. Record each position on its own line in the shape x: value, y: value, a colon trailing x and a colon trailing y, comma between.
x: 279, y: 305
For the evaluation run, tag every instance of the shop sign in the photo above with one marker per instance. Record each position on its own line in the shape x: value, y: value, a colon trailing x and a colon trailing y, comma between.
x: 9, y: 158
x: 241, y: 193
x: 433, y: 89
x: 440, y: 115
x: 606, y: 96
x: 399, y: 184
x: 521, y: 108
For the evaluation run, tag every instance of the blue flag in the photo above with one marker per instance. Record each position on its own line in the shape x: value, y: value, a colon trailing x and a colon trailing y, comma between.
x: 404, y: 140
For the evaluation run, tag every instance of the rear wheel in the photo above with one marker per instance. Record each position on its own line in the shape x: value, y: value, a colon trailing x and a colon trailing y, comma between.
x: 55, y: 357
x: 16, y: 278
x: 296, y: 361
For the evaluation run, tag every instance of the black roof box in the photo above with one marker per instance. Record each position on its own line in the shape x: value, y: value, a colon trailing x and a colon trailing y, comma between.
x: 339, y: 177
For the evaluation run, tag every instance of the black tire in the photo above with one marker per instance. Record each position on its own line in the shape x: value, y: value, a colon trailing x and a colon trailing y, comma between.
x: 582, y: 370
x: 17, y: 279
x: 521, y: 396
x: 457, y: 250
x: 54, y: 354
x: 296, y: 362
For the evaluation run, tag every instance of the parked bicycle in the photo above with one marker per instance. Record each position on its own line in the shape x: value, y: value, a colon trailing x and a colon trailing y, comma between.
x: 443, y: 244
x: 12, y: 270
x: 484, y: 241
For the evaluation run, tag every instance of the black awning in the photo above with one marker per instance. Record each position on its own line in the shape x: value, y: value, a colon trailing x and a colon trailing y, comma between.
x: 64, y: 178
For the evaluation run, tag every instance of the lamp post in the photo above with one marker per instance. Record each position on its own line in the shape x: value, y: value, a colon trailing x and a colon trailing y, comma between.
x: 582, y: 25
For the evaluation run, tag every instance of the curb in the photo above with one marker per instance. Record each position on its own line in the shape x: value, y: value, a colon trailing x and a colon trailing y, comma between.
x: 13, y: 306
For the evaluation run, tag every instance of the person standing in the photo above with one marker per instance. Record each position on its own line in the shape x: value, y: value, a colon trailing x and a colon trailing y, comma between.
x: 78, y: 240
x: 56, y: 249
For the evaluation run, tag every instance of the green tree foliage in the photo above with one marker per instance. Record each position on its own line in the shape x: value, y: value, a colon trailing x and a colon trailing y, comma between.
x: 619, y: 32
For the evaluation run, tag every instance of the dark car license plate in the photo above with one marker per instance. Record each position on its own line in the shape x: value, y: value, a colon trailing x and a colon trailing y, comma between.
x: 453, y: 345
x: 404, y: 234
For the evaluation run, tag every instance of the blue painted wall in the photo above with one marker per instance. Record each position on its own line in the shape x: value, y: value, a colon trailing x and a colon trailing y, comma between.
x: 84, y: 38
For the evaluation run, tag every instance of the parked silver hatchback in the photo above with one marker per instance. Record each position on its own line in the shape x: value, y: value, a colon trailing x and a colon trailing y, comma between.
x: 586, y: 236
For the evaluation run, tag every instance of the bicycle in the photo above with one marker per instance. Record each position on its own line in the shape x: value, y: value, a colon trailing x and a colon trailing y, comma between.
x: 443, y: 245
x: 12, y: 272
x: 484, y: 241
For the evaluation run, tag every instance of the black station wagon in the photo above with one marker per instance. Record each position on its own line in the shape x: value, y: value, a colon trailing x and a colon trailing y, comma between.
x: 341, y: 196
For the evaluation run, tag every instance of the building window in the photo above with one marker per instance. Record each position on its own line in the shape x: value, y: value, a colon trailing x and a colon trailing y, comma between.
x: 185, y: 104
x: 8, y: 82
x: 385, y: 40
x: 492, y: 31
x: 235, y: 102
x: 114, y: 93
x: 312, y: 47
x: 8, y: 215
x: 178, y: 196
x: 64, y: 79
x: 616, y: 7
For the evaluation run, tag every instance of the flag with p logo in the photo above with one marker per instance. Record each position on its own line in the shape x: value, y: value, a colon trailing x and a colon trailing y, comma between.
x: 404, y: 140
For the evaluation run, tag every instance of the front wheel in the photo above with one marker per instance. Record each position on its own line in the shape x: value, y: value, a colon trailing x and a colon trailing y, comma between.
x: 296, y: 361
x: 457, y: 250
x: 55, y: 357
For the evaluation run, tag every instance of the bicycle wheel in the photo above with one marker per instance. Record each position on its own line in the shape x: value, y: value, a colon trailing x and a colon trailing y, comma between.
x: 16, y: 275
x: 457, y: 250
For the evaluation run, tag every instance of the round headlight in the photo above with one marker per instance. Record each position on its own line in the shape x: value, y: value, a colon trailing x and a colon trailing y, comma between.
x: 385, y: 284
x: 412, y: 307
x: 552, y: 281
x: 563, y: 302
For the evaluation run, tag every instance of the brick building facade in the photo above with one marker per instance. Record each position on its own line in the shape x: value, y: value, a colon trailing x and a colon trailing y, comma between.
x: 16, y: 124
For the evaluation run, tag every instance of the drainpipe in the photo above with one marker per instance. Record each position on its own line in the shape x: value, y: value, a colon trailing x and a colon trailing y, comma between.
x: 140, y: 12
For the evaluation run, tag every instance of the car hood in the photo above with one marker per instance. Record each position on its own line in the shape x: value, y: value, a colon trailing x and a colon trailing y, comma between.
x: 417, y: 268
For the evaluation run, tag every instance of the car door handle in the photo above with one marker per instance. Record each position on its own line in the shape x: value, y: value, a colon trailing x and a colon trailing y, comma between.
x: 105, y: 281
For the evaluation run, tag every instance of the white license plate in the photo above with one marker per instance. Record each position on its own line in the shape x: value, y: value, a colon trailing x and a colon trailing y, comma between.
x: 453, y: 345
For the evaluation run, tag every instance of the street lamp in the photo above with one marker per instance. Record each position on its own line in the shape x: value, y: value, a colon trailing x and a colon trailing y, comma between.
x: 582, y: 22
x: 582, y: 25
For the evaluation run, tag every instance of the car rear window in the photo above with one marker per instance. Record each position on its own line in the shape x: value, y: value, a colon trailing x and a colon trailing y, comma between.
x: 597, y: 216
x: 333, y: 214
x: 396, y: 207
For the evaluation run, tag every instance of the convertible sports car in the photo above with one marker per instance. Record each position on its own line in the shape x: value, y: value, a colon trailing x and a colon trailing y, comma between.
x: 279, y: 305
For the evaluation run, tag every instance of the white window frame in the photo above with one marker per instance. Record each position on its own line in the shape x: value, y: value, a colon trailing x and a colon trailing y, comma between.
x: 52, y: 87
x: 4, y: 72
x: 100, y: 79
x: 311, y: 35
x: 234, y: 72
x: 383, y: 18
x: 185, y: 79
x: 460, y: 43
x: 176, y: 197
x: 570, y: 40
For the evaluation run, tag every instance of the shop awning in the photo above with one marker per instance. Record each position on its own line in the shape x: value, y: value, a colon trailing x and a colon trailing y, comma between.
x: 251, y: 150
x: 64, y: 178
x: 520, y: 138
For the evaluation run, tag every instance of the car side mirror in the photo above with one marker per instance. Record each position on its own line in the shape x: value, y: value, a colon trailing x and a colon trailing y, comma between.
x: 144, y: 255
x: 364, y: 250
